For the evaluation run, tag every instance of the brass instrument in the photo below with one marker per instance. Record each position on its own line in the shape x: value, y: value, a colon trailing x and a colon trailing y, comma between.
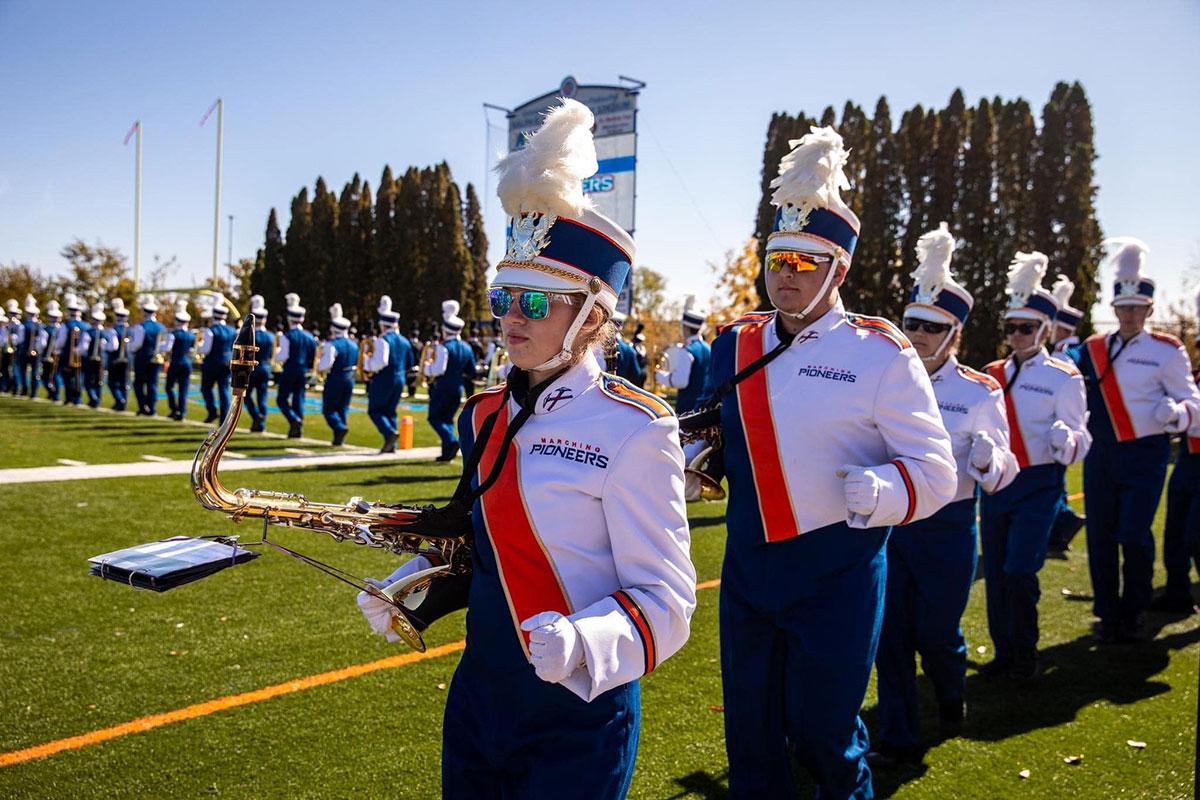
x: 31, y: 352
x: 159, y: 356
x: 322, y: 374
x: 73, y: 360
x: 276, y: 365
x: 51, y: 358
x: 666, y: 362
x: 366, y: 351
x: 440, y: 534
x: 496, y: 364
x: 122, y: 356
x: 10, y: 341
x: 428, y: 354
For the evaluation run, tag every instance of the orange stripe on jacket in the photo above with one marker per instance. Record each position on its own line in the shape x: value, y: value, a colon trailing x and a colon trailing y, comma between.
x: 996, y: 370
x: 642, y: 624
x: 1110, y: 390
x: 528, y: 578
x: 908, y: 487
x: 758, y: 424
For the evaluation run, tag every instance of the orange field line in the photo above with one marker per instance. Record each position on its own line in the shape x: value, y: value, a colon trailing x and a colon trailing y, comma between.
x: 234, y: 700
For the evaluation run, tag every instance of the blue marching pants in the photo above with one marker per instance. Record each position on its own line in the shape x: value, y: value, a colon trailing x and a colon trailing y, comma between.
x: 1015, y: 529
x: 800, y: 623
x: 335, y: 401
x: 51, y: 382
x: 256, y: 396
x: 178, y: 378
x: 92, y: 381
x: 383, y: 395
x: 1181, y: 534
x: 931, y: 565
x: 72, y: 386
x: 145, y: 387
x: 218, y: 378
x: 289, y: 396
x: 27, y: 375
x: 442, y: 409
x: 1122, y: 484
x: 117, y: 382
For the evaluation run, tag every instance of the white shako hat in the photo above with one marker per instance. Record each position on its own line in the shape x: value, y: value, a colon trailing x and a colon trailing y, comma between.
x: 936, y: 296
x: 451, y: 322
x: 97, y: 313
x: 386, y: 314
x: 181, y: 314
x: 693, y: 315
x: 295, y: 311
x: 219, y: 310
x: 53, y: 311
x: 336, y: 319
x: 148, y: 304
x: 31, y: 306
x: 810, y: 216
x: 12, y: 306
x: 73, y: 303
x: 1026, y: 297
x: 258, y: 307
x: 1130, y: 287
x: 1068, y: 317
x: 118, y: 308
x: 557, y: 242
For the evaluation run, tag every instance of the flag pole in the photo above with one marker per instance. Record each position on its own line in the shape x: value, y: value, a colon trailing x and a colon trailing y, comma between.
x: 217, y: 206
x: 137, y: 204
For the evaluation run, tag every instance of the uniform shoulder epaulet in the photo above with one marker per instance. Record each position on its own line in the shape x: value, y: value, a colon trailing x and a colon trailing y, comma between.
x: 1094, y: 337
x: 881, y: 327
x: 753, y: 318
x: 625, y: 392
x: 1166, y: 337
x: 1062, y: 364
x: 999, y: 362
x: 979, y: 377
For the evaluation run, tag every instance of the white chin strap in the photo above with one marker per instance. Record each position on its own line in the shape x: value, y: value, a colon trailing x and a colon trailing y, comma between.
x: 818, y: 297
x: 1037, y: 338
x: 937, y: 354
x: 563, y: 356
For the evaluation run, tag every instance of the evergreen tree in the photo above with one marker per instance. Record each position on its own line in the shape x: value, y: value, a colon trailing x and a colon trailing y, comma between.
x: 271, y: 280
x: 369, y: 286
x: 855, y: 130
x: 348, y: 282
x: 477, y: 244
x: 297, y: 257
x: 947, y: 160
x: 875, y: 283
x: 915, y: 141
x: 1080, y: 229
x: 323, y: 251
x: 976, y: 226
x: 410, y: 260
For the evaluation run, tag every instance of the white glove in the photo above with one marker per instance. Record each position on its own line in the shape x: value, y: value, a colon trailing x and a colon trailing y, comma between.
x: 861, y: 486
x: 379, y: 611
x: 1168, y: 414
x: 983, y: 447
x: 1060, y: 442
x: 555, y: 649
x: 662, y: 378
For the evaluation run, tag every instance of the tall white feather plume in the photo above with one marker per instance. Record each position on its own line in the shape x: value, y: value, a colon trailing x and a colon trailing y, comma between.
x: 181, y: 308
x: 934, y: 251
x: 292, y: 300
x: 98, y: 310
x: 385, y: 305
x: 546, y: 175
x: 31, y: 306
x: 258, y: 305
x: 450, y: 309
x: 812, y: 175
x: 72, y: 302
x: 1025, y: 274
x: 1128, y: 254
x: 1062, y: 290
x: 335, y: 311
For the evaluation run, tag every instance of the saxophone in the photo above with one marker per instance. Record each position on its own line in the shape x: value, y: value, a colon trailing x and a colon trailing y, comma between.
x: 440, y: 534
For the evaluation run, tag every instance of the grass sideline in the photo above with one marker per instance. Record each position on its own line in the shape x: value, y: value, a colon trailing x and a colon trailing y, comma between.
x: 78, y: 654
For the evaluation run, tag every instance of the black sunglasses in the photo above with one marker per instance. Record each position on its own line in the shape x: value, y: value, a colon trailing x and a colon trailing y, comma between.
x: 1024, y: 328
x: 911, y: 324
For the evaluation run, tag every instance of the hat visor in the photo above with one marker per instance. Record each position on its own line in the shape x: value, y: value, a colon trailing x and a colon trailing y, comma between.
x: 1132, y: 301
x: 524, y: 278
x: 803, y: 243
x: 1025, y: 313
x: 929, y: 314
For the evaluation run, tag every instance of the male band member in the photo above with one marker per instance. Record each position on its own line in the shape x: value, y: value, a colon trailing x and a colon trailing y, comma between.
x: 91, y: 346
x: 67, y: 344
x: 1139, y: 391
x: 1181, y: 534
x: 338, y: 358
x: 627, y: 365
x: 51, y: 380
x: 116, y: 348
x: 832, y: 435
x: 216, y: 345
x: 260, y: 378
x: 389, y: 364
x: 1067, y: 523
x: 689, y: 370
x: 453, y: 368
x: 147, y: 344
x: 1044, y: 402
x: 180, y: 343
x: 8, y: 349
x: 931, y: 563
x: 414, y: 341
x: 26, y: 356
x: 297, y: 350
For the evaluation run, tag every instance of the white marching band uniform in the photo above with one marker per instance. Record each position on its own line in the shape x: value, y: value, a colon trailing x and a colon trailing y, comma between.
x: 971, y: 404
x: 1050, y: 409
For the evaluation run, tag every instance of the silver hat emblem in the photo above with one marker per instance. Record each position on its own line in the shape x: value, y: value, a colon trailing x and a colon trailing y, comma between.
x: 529, y: 236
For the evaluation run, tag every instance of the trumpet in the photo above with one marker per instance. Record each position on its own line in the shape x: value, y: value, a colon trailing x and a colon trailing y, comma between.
x: 702, y: 440
x: 443, y: 535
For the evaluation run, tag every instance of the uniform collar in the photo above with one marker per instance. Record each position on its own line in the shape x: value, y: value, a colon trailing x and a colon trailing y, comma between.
x: 338, y: 334
x: 819, y: 328
x: 695, y: 337
x: 571, y: 384
x: 948, y: 368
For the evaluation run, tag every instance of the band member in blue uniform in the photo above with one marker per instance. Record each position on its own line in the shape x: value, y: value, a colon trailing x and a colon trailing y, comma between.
x: 180, y: 343
x: 1046, y: 410
x: 453, y: 368
x: 338, y: 358
x: 148, y: 342
x: 51, y: 380
x: 688, y: 363
x: 388, y: 364
x: 627, y: 365
x: 91, y: 346
x: 931, y: 563
x: 297, y: 351
x: 216, y: 345
x: 8, y: 350
x: 1140, y: 390
x: 116, y: 349
x: 260, y: 378
x: 68, y: 345
x: 581, y: 578
x: 1067, y: 522
x: 26, y: 355
x: 831, y: 436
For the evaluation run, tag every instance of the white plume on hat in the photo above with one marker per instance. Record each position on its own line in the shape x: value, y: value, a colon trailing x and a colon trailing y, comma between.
x: 546, y: 175
x: 812, y: 175
x: 258, y: 306
x: 450, y: 316
x: 147, y: 303
x: 181, y: 313
x: 1129, y: 255
x: 934, y: 251
x: 118, y: 307
x: 294, y: 309
x: 335, y: 316
x: 385, y: 305
x: 31, y: 306
x: 218, y: 306
x: 98, y: 311
x: 1025, y: 275
x: 1062, y: 290
x: 53, y: 309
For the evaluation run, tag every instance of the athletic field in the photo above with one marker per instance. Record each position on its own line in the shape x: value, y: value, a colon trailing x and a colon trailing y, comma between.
x: 265, y: 681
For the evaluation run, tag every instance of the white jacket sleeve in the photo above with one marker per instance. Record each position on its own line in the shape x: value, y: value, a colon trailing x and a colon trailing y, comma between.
x: 628, y: 633
x: 85, y: 341
x: 328, y: 356
x: 441, y: 359
x: 1070, y: 406
x: 379, y: 358
x: 42, y: 340
x: 108, y: 340
x: 136, y: 339
x: 60, y: 338
x: 921, y: 475
x: 682, y: 372
x: 281, y: 355
x: 19, y: 339
x: 206, y: 340
x: 991, y: 418
x: 1177, y: 383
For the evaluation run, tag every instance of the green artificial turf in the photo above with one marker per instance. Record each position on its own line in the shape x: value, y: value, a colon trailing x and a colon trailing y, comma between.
x: 79, y: 654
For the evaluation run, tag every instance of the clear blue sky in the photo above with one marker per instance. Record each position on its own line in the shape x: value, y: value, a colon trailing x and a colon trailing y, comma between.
x: 333, y: 88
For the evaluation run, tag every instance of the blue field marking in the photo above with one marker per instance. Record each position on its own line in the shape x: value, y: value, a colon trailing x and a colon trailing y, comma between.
x: 312, y: 401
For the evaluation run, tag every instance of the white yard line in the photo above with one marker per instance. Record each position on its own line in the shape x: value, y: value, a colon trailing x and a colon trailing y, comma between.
x: 155, y: 468
x: 70, y: 462
x: 155, y: 459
